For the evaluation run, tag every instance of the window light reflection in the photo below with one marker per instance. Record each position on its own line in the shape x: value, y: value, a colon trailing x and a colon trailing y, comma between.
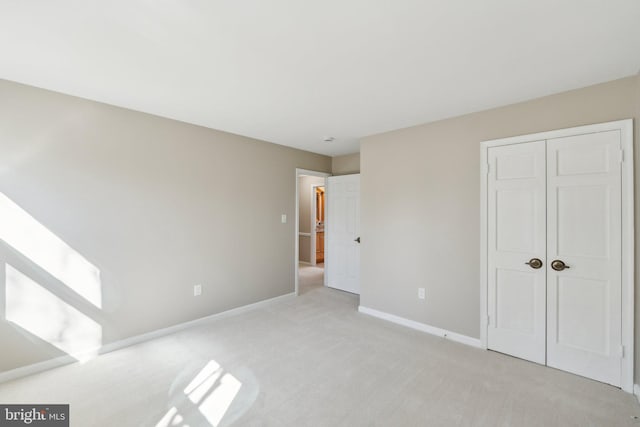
x: 29, y: 237
x: 46, y: 316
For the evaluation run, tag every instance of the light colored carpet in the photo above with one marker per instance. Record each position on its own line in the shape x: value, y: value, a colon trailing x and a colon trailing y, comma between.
x: 310, y: 277
x: 315, y: 361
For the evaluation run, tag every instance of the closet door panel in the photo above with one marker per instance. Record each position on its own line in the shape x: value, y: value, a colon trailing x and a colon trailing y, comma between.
x: 516, y: 230
x: 584, y: 235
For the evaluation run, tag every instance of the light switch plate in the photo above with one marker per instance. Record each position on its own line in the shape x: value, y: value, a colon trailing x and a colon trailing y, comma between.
x: 283, y: 218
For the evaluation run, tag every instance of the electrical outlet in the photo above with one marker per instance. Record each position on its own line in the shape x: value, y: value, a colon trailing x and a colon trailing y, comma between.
x: 421, y: 293
x: 197, y: 290
x: 283, y: 218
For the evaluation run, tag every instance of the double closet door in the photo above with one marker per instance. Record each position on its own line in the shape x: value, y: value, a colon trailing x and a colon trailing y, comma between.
x: 554, y: 259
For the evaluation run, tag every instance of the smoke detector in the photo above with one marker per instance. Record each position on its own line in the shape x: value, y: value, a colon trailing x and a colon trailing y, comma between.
x: 329, y: 139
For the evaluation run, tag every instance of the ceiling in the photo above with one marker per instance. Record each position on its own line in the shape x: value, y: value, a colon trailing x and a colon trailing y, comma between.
x: 293, y: 72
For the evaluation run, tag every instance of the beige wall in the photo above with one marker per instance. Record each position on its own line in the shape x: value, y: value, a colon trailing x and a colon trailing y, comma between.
x: 304, y: 248
x: 156, y: 205
x: 421, y: 194
x: 345, y: 165
x: 305, y: 222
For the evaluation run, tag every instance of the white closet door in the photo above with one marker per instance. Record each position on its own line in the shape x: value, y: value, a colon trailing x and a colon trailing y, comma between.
x: 517, y: 235
x: 584, y: 232
x: 343, y: 233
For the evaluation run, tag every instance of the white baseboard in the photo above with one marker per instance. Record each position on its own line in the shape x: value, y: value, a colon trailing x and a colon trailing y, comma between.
x: 453, y: 336
x: 304, y: 262
x: 34, y: 368
x: 636, y: 391
x: 25, y: 371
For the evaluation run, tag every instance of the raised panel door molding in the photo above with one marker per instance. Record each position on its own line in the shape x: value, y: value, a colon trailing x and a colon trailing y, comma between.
x: 588, y: 231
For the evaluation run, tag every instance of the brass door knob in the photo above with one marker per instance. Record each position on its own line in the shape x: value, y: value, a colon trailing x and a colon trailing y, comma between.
x: 558, y: 265
x: 534, y: 263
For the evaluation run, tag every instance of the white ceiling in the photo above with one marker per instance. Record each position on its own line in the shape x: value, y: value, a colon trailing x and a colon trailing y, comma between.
x: 295, y: 71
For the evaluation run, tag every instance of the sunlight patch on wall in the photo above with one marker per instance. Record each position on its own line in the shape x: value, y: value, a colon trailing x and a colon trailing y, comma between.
x: 46, y: 316
x: 26, y: 235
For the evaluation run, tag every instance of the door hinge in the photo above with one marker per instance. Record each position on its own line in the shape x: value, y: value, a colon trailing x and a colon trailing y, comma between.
x: 488, y: 320
x: 621, y: 156
x: 487, y: 168
x: 622, y: 352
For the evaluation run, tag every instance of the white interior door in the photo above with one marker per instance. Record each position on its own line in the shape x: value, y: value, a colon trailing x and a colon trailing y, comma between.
x: 343, y: 233
x: 584, y: 232
x: 516, y: 235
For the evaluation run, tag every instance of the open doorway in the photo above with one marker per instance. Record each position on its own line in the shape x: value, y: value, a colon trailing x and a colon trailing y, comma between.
x: 317, y: 228
x: 310, y: 230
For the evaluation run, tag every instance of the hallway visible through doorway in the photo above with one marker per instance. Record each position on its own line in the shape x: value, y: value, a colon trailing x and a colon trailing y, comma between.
x: 311, y: 193
x: 310, y: 277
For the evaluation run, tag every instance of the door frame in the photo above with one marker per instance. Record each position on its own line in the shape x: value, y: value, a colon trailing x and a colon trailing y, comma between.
x: 296, y: 256
x: 626, y: 138
x: 313, y: 219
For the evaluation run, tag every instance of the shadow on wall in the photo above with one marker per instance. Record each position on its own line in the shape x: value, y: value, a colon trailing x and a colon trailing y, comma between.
x: 51, y: 292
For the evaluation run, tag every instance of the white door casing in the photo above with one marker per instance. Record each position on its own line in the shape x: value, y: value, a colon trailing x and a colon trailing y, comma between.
x: 343, y: 229
x: 584, y: 232
x: 296, y: 254
x: 517, y: 229
x: 589, y: 226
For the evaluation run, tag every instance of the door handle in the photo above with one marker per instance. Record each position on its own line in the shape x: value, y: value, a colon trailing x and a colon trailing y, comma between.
x: 357, y: 240
x: 558, y: 265
x: 534, y: 263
